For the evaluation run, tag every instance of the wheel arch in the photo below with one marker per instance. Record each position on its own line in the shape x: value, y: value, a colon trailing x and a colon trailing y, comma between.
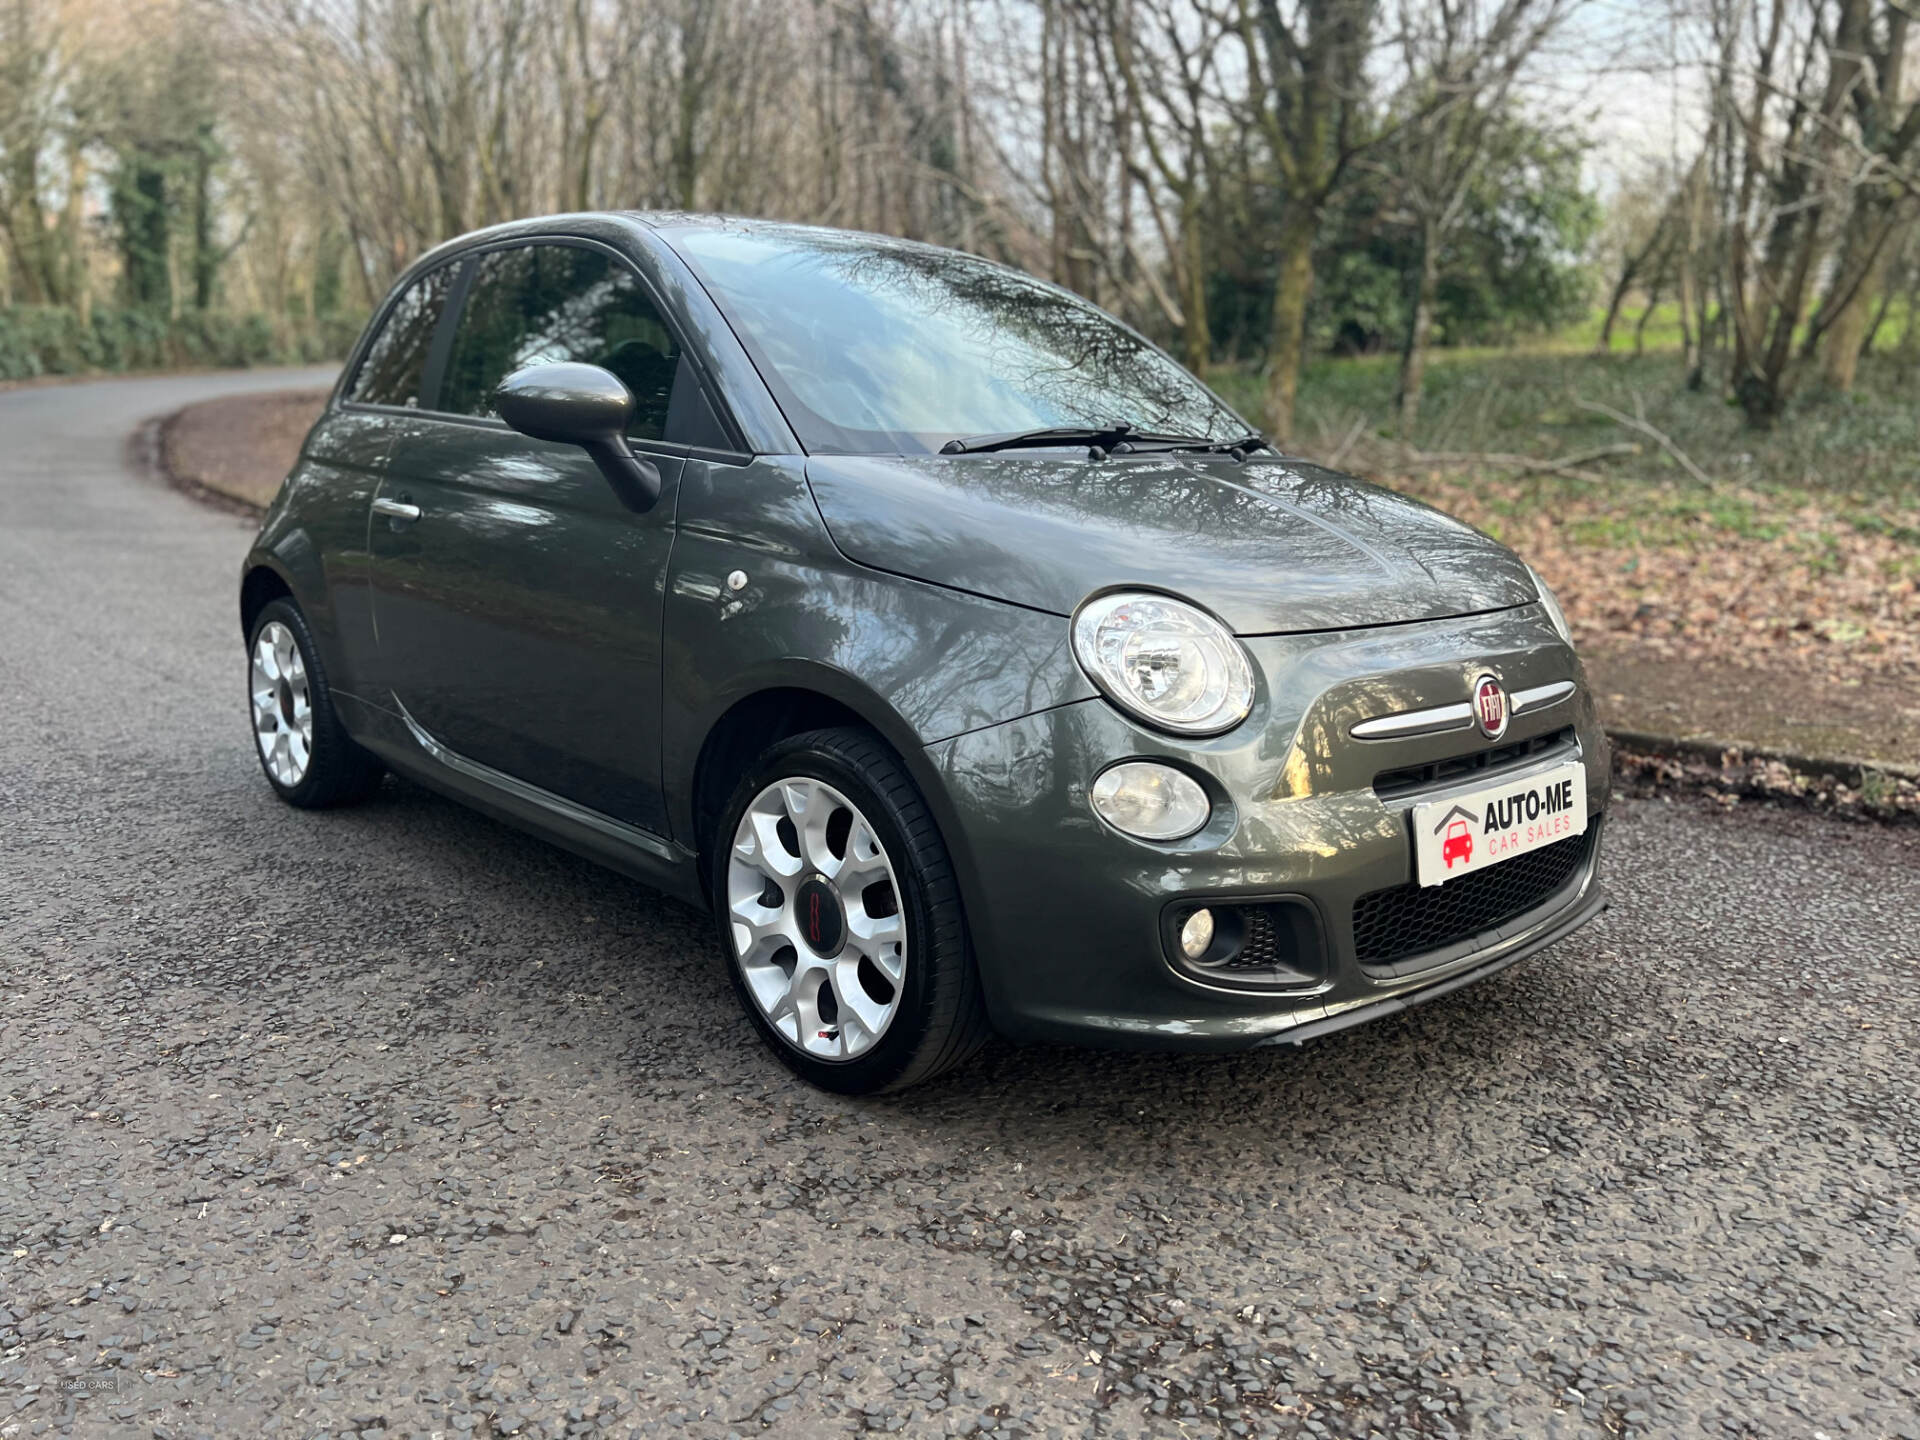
x: 744, y: 730
x: 260, y: 587
x: 796, y: 697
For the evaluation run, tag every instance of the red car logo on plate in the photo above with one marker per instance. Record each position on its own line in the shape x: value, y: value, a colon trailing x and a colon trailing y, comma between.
x: 1458, y: 845
x: 1490, y: 707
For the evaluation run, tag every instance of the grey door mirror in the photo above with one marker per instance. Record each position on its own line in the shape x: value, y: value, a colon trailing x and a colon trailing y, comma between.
x: 581, y: 405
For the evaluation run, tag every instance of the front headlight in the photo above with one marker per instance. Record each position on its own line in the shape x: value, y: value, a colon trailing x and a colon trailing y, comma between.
x: 1165, y: 661
x: 1551, y: 604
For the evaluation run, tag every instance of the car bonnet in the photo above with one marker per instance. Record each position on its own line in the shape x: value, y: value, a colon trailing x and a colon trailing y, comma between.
x: 1271, y: 546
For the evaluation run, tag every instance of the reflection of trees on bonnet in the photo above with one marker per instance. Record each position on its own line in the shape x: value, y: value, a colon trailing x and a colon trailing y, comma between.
x: 1237, y: 509
x: 926, y: 342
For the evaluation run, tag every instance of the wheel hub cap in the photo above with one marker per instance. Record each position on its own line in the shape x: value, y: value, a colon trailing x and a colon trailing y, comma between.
x: 813, y: 906
x: 282, y: 704
x: 822, y: 920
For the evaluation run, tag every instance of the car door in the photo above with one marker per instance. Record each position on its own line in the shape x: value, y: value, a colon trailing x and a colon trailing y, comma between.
x: 517, y: 603
x: 345, y: 456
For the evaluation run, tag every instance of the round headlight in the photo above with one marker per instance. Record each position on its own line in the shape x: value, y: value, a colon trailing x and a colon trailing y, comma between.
x: 1168, y: 662
x: 1551, y: 604
x: 1150, y: 800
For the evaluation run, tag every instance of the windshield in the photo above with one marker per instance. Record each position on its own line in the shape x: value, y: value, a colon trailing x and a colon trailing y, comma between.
x: 874, y: 346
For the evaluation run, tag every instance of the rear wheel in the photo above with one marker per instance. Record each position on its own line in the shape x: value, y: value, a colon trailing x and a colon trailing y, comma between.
x: 840, y: 917
x: 307, y: 755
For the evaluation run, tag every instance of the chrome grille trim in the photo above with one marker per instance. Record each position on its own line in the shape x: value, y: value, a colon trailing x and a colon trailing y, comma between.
x: 1436, y: 721
x: 1444, y: 718
x: 1541, y: 696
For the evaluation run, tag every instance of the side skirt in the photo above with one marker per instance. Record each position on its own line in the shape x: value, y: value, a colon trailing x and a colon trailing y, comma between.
x: 410, y: 750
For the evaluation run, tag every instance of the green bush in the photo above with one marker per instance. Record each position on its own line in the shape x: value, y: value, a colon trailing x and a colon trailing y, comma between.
x: 50, y: 340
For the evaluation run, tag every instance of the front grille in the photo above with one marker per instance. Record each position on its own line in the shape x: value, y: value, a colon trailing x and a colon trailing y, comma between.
x: 1262, y: 949
x: 1390, y: 925
x: 1390, y: 783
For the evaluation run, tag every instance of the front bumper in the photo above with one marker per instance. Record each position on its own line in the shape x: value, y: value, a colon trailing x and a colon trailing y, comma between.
x: 1068, y: 916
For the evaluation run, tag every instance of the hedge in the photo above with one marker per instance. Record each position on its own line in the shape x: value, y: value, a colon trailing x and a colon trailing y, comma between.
x: 51, y: 340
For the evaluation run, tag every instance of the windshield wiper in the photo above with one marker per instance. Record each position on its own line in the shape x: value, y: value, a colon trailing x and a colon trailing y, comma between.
x: 1105, y: 436
x: 1117, y: 439
x: 1240, y: 447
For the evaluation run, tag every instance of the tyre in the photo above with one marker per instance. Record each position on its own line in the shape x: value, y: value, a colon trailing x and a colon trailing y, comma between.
x: 304, y: 750
x: 840, y: 917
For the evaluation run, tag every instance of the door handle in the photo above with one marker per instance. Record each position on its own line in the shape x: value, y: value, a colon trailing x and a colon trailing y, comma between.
x: 395, y: 509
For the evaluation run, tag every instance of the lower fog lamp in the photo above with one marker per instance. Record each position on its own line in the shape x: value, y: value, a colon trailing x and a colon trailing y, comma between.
x: 1196, y: 936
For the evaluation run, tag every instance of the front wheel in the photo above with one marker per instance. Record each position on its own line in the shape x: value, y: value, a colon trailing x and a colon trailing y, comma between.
x: 841, y: 919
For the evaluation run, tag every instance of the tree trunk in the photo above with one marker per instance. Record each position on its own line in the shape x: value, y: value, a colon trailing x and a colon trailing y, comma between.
x: 33, y: 267
x: 1704, y: 325
x: 1692, y: 340
x: 694, y: 40
x: 141, y: 210
x: 1863, y: 267
x: 1196, y: 335
x: 73, y: 251
x: 1840, y: 363
x: 1880, y: 313
x: 1640, y: 326
x: 584, y: 170
x: 206, y: 254
x: 1909, y: 350
x: 1413, y: 353
x: 1629, y: 272
x: 1292, y: 289
x: 1797, y: 242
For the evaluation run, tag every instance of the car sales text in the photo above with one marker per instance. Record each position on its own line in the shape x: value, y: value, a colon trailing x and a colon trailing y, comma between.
x: 1528, y: 817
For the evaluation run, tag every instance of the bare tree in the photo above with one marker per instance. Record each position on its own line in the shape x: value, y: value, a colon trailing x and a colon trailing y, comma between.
x: 1643, y: 233
x: 1165, y: 53
x: 41, y: 234
x: 1461, y: 62
x: 1884, y: 134
x: 1304, y: 64
x: 1808, y: 177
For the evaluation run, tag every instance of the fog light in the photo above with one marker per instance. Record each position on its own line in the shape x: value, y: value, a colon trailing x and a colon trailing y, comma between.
x: 1196, y: 936
x: 1153, y: 802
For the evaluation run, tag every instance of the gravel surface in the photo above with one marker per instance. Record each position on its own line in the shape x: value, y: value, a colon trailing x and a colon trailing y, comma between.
x: 241, y: 446
x: 394, y: 1121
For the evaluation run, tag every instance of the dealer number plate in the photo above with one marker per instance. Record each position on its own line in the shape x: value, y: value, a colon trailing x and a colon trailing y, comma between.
x: 1465, y: 833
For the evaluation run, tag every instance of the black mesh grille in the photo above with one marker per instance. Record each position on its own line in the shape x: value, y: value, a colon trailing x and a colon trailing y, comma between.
x: 1390, y: 783
x: 1390, y: 925
x: 1262, y: 949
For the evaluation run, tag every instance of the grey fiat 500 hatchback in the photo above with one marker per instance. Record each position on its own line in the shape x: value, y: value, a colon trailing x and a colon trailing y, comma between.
x: 970, y: 659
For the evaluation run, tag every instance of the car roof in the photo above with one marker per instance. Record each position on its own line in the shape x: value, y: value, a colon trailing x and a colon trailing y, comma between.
x: 668, y: 223
x: 688, y: 222
x: 671, y: 223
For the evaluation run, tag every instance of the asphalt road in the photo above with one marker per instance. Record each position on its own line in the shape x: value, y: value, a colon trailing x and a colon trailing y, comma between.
x: 392, y: 1120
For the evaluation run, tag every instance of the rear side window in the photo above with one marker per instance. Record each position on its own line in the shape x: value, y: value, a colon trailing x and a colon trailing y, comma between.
x: 396, y: 362
x: 541, y: 304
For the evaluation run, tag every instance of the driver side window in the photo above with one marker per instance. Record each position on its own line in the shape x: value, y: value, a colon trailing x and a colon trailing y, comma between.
x: 541, y: 304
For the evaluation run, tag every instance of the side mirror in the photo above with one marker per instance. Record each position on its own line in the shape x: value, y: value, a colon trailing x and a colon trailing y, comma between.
x: 581, y: 405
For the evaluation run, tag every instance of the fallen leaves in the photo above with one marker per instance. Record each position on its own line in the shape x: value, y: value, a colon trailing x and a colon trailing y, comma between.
x: 1733, y: 777
x: 1746, y: 577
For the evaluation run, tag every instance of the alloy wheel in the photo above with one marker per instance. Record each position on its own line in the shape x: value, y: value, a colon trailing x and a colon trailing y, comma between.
x: 282, y: 704
x: 813, y: 906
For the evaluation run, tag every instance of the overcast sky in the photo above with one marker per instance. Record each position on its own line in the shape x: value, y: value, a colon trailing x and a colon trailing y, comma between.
x: 1622, y: 71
